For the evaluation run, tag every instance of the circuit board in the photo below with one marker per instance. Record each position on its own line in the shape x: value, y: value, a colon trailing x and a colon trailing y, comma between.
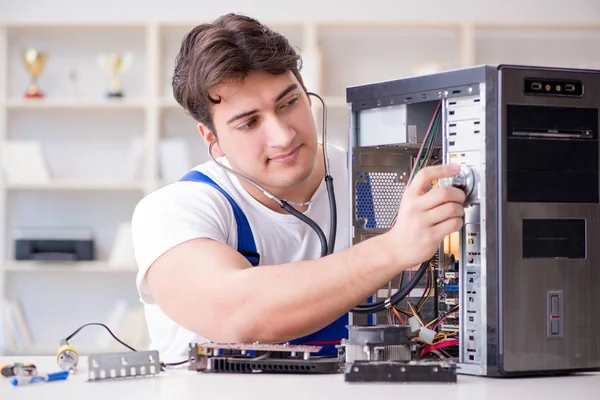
x: 448, y: 298
x: 260, y: 358
x: 259, y: 347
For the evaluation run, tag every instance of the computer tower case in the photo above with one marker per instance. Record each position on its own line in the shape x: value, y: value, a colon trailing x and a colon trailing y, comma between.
x: 525, y: 270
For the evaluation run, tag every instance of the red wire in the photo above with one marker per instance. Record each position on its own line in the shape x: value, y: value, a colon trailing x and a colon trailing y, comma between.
x: 437, y: 346
x: 423, y: 144
x: 397, y: 315
x: 324, y: 342
x: 445, y: 316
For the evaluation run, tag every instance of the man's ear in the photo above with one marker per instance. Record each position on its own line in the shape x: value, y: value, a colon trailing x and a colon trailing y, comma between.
x: 208, y: 136
x: 301, y: 80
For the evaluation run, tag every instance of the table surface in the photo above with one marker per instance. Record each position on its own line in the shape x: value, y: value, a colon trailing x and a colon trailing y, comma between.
x: 179, y: 383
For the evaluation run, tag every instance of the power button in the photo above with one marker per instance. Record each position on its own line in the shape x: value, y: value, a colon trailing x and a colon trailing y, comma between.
x: 555, y: 314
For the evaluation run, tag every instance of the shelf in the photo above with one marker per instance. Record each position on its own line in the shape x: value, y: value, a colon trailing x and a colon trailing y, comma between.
x: 59, y: 266
x: 78, y: 185
x: 366, y: 56
x: 583, y: 25
x: 48, y: 103
x: 390, y: 24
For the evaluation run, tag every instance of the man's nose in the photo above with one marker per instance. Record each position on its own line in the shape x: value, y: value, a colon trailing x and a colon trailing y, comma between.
x: 279, y: 133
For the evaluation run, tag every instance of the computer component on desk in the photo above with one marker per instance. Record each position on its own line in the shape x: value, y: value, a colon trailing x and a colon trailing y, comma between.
x: 510, y: 294
x: 391, y: 353
x: 378, y: 343
x: 395, y: 371
x: 265, y: 358
x: 123, y: 365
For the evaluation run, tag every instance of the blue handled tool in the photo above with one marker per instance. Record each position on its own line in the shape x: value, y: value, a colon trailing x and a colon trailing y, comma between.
x: 27, y: 380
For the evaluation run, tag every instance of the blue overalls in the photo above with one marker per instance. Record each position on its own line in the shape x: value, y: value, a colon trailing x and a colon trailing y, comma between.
x: 329, y: 336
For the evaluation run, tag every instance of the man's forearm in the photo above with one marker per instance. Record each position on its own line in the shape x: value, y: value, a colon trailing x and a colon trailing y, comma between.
x: 282, y: 302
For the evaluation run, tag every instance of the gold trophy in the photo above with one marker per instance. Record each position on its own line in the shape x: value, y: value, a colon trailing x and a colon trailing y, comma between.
x: 114, y: 64
x: 35, y: 61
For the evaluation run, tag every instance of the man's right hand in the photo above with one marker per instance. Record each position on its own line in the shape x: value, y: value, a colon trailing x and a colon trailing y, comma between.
x: 425, y: 217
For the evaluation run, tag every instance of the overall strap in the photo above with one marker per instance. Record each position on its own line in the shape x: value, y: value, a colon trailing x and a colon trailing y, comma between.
x: 246, y: 244
x: 328, y: 338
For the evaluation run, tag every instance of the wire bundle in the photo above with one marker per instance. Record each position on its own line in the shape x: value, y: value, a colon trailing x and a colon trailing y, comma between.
x: 426, y: 150
x: 443, y: 342
x: 423, y: 158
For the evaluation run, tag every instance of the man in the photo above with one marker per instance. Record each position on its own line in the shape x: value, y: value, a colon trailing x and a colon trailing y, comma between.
x: 241, y: 83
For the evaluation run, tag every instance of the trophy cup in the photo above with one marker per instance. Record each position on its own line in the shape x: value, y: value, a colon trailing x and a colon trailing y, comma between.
x: 114, y: 64
x: 35, y: 61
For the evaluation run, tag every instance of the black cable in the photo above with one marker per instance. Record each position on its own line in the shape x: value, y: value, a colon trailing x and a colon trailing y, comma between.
x: 401, y: 280
x: 310, y: 223
x: 106, y: 327
x: 396, y: 298
x: 175, y: 364
x: 162, y: 364
x: 333, y: 214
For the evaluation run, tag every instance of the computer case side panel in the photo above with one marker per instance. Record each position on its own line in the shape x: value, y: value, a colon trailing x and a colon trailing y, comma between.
x: 491, y: 221
x: 549, y: 216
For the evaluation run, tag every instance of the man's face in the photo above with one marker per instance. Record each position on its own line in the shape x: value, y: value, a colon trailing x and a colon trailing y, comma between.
x: 266, y: 129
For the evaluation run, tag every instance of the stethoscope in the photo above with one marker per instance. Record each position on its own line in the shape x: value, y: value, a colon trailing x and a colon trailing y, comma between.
x: 326, y: 246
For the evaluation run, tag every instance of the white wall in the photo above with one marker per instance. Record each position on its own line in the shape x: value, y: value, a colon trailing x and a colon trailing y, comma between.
x: 482, y: 10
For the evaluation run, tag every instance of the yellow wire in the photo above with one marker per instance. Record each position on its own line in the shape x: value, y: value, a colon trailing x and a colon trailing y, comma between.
x: 430, y: 288
x: 415, y: 314
x: 403, y: 311
x: 431, y: 322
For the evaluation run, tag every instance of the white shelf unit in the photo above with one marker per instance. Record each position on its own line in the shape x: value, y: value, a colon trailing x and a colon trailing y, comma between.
x: 87, y: 138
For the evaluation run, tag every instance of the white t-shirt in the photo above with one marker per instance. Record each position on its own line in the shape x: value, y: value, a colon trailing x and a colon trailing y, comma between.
x: 183, y: 211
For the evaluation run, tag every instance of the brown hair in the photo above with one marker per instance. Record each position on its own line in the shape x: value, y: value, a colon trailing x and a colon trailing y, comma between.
x: 226, y: 51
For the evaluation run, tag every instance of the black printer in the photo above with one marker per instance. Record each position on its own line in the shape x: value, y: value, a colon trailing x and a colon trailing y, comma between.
x: 54, y: 244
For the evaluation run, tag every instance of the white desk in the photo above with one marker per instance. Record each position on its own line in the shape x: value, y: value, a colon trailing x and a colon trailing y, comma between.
x: 180, y: 384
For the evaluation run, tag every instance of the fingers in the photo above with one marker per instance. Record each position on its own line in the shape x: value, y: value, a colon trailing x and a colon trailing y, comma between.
x: 440, y: 195
x: 444, y: 212
x: 447, y: 227
x: 425, y: 176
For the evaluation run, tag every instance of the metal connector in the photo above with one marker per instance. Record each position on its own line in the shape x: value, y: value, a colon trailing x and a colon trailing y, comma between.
x: 464, y: 180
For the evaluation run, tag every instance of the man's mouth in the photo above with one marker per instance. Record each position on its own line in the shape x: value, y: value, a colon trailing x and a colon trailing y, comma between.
x: 287, y: 156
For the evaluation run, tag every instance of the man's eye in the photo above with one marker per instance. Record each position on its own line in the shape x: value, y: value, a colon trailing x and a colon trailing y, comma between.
x: 291, y: 102
x: 247, y: 125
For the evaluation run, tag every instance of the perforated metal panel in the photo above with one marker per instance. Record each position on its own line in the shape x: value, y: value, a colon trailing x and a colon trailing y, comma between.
x: 380, y: 178
x: 378, y: 197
